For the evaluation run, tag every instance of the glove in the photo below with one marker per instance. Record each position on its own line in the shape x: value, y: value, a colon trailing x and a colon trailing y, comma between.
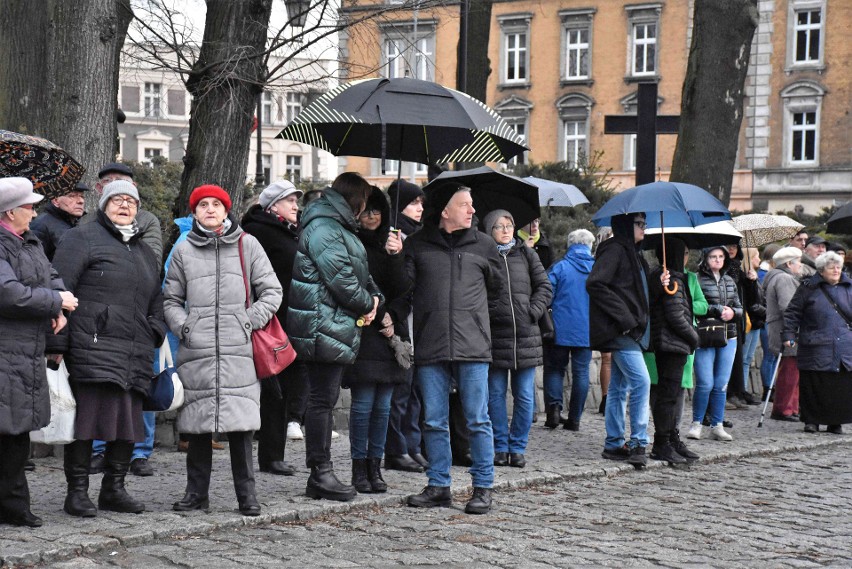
x: 402, y: 351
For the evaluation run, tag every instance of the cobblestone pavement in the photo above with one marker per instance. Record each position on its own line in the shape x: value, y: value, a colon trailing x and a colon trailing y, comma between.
x: 772, y: 497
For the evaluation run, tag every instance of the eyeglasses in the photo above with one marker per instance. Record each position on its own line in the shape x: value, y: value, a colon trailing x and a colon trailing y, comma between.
x: 121, y: 200
x: 640, y: 224
x: 507, y: 227
x: 28, y: 206
x: 368, y: 212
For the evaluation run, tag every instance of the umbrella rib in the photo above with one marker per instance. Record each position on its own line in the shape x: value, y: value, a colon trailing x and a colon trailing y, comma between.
x: 345, y: 136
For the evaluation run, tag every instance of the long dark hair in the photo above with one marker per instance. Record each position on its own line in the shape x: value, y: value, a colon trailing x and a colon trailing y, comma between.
x: 354, y: 189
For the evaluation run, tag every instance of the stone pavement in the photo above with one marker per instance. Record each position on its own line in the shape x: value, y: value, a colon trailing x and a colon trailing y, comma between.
x: 553, y: 456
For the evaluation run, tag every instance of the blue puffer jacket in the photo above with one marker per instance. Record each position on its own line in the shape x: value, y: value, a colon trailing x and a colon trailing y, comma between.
x: 824, y: 337
x: 570, y: 299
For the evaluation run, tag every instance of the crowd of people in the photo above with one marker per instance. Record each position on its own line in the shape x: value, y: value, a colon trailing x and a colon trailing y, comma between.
x: 426, y: 316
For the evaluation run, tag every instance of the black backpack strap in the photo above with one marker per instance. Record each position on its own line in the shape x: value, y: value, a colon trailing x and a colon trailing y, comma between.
x: 836, y: 307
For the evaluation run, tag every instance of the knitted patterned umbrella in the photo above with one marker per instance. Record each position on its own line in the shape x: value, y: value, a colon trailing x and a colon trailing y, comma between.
x: 52, y: 171
x: 759, y: 228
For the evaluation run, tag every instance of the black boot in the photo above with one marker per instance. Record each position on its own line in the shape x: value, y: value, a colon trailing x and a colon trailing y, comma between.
x: 76, y: 463
x: 664, y: 451
x: 552, y: 420
x: 323, y: 483
x: 359, y: 476
x: 480, y: 502
x: 113, y: 496
x: 374, y: 475
x: 680, y: 448
x: 239, y: 445
x: 431, y: 497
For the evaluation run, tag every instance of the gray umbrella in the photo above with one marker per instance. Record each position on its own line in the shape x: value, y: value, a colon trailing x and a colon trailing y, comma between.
x: 556, y: 194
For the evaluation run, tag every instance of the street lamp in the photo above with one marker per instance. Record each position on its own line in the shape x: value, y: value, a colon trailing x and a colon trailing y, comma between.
x: 297, y: 12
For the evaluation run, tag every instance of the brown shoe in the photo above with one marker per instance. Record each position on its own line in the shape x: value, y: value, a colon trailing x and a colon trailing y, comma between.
x: 217, y: 445
x: 183, y: 446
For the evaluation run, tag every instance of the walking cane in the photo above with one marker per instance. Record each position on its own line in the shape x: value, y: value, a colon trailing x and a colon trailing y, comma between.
x: 771, y: 385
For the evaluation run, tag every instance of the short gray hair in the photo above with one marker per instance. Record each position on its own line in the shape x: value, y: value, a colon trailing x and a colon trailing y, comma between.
x: 581, y: 237
x: 826, y: 260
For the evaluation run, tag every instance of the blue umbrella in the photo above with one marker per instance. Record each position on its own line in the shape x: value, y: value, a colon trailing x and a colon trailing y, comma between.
x: 674, y: 203
x: 556, y: 194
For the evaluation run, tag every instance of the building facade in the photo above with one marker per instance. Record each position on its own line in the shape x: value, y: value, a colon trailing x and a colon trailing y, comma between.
x: 559, y: 67
x: 157, y: 105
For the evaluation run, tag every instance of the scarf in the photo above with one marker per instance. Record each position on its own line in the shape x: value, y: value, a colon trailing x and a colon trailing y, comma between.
x: 12, y: 231
x: 505, y: 248
x: 218, y: 232
x: 524, y: 236
x: 127, y: 231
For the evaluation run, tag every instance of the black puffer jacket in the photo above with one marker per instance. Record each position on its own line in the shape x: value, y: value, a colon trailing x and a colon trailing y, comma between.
x: 112, y: 334
x: 452, y: 277
x: 515, y: 336
x: 672, y: 328
x: 720, y: 294
x: 29, y: 298
x: 544, y: 250
x: 50, y: 226
x: 280, y: 242
x: 750, y: 293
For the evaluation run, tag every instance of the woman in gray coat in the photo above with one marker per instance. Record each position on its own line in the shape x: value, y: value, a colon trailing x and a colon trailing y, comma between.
x: 31, y: 301
x: 204, y: 302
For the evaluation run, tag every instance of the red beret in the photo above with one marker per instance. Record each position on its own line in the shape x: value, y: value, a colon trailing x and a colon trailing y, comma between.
x: 209, y: 191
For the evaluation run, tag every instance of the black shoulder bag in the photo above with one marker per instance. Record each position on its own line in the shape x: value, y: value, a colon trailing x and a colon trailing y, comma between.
x: 837, y: 308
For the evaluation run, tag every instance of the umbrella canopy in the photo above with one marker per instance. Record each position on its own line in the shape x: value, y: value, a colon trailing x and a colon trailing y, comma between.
x: 556, y: 194
x: 405, y: 119
x: 680, y: 205
x: 841, y: 221
x: 759, y: 228
x: 52, y: 171
x: 492, y: 190
x: 707, y: 235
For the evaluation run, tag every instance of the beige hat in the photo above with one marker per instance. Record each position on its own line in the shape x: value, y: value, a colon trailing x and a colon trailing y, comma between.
x: 786, y: 254
x: 15, y: 192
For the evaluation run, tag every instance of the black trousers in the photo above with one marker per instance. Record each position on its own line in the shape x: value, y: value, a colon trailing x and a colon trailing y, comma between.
x: 459, y: 433
x: 14, y: 492
x: 669, y: 378
x: 736, y: 384
x: 199, y: 463
x: 404, y: 422
x: 276, y: 402
x: 296, y: 391
x: 324, y: 380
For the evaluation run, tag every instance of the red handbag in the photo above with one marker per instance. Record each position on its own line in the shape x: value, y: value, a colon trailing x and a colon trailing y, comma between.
x: 271, y: 348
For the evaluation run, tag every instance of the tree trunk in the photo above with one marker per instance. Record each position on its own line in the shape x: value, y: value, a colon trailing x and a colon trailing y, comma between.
x: 712, y: 100
x: 473, y: 65
x: 59, y: 73
x: 225, y: 83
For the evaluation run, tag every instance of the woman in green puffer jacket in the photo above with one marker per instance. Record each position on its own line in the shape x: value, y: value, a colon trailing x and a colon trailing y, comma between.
x: 331, y: 297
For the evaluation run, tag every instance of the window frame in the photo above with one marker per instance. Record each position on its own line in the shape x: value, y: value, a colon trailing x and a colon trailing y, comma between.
x: 794, y: 7
x: 267, y: 108
x: 415, y: 52
x: 797, y: 98
x: 574, y: 20
x: 156, y: 99
x: 574, y: 108
x: 512, y: 25
x: 643, y: 15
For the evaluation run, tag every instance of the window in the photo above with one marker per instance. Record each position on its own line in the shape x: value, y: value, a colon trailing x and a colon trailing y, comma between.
x: 577, y: 56
x: 574, y: 111
x: 514, y: 55
x: 409, y: 51
x: 153, y: 100
x: 631, y: 152
x: 294, y: 105
x: 520, y: 129
x: 266, y: 162
x: 151, y: 153
x: 516, y: 112
x: 293, y: 168
x: 644, y: 49
x: 266, y: 106
x: 808, y: 31
x: 802, y: 105
x: 805, y: 34
x: 150, y: 144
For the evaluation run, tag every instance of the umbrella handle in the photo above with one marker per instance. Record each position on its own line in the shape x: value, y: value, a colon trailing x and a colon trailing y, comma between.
x: 672, y: 291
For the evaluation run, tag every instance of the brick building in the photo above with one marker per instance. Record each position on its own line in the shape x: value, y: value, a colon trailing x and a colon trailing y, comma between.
x: 557, y: 68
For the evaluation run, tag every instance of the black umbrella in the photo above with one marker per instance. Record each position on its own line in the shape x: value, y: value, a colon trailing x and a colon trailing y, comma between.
x: 405, y: 119
x: 491, y: 190
x: 841, y: 221
x: 52, y: 171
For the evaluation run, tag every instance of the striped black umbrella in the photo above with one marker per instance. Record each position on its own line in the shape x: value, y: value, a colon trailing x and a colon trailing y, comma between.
x: 405, y: 119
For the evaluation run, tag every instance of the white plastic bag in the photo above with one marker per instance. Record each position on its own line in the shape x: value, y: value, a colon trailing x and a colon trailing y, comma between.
x: 63, y: 410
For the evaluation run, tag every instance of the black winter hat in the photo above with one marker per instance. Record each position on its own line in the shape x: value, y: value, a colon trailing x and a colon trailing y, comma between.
x: 407, y: 191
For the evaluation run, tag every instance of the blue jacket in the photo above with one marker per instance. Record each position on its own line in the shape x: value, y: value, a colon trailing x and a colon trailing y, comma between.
x: 824, y: 337
x: 570, y: 300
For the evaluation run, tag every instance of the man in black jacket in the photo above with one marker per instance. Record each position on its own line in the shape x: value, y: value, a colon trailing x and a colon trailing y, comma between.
x: 58, y: 216
x: 619, y: 323
x: 453, y: 268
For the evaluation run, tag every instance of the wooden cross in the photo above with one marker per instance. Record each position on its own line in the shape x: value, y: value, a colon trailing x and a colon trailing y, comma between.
x: 646, y: 125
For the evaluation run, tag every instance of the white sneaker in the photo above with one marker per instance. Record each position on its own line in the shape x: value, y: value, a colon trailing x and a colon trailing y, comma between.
x: 335, y: 435
x: 718, y: 432
x: 694, y: 431
x: 294, y: 431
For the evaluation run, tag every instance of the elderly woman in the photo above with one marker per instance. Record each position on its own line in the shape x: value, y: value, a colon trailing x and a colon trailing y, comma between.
x: 332, y: 296
x: 205, y: 306
x: 819, y: 318
x: 571, y: 322
x: 713, y: 365
x: 515, y: 339
x: 110, y: 344
x: 779, y: 286
x: 32, y: 298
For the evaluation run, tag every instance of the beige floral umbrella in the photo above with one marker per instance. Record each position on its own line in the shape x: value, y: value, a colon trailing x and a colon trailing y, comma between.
x: 761, y: 228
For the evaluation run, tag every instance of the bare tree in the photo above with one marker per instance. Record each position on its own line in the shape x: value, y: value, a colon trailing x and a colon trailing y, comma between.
x: 712, y: 100
x: 59, y: 73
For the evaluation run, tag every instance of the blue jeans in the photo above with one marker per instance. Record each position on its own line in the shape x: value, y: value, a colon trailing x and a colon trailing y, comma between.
x: 629, y: 376
x: 512, y: 439
x: 472, y: 380
x: 555, y: 362
x: 368, y: 419
x: 712, y: 372
x: 750, y: 345
x: 767, y: 366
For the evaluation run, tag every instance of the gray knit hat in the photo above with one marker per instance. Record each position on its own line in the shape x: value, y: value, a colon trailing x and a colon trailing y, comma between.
x: 492, y: 217
x: 117, y: 188
x: 277, y: 191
